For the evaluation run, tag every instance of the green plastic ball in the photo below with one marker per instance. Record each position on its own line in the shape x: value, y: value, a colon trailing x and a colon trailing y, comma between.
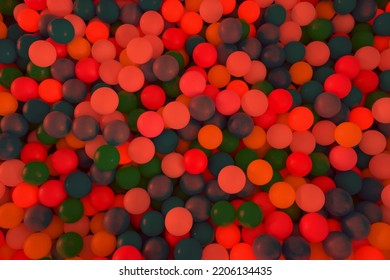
x: 127, y: 101
x: 70, y: 210
x: 320, y: 163
x: 249, y: 214
x: 69, y: 245
x: 320, y: 29
x: 8, y: 75
x: 35, y: 173
x: 128, y: 177
x: 277, y: 158
x: 106, y: 157
x: 223, y: 213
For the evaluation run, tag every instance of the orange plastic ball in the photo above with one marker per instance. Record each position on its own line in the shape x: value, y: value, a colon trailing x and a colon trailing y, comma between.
x: 301, y: 72
x: 25, y: 195
x: 11, y: 215
x: 172, y: 10
x: 8, y: 102
x: 103, y: 243
x: 282, y: 195
x: 249, y: 11
x: 348, y: 134
x: 191, y: 23
x: 218, y: 76
x: 210, y: 136
x: 37, y: 246
x: 259, y: 172
x: 97, y: 30
x: 379, y: 236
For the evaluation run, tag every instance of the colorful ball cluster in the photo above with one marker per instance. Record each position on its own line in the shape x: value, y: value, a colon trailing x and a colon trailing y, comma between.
x: 197, y: 129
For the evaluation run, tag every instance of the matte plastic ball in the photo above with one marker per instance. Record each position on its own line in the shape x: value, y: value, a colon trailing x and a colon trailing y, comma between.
x: 11, y: 146
x: 327, y: 105
x: 337, y: 245
x: 338, y: 202
x: 136, y: 201
x: 160, y: 187
x: 200, y: 207
x: 106, y: 157
x: 299, y: 164
x: 356, y: 226
x: 104, y: 101
x: 377, y: 166
x: 231, y: 179
x: 165, y: 68
x: 377, y: 236
x: 152, y: 223
x: 222, y: 213
x: 37, y: 217
x: 310, y: 198
x: 141, y: 150
x: 192, y: 184
x: 57, y: 124
x: 14, y: 124
x: 296, y: 248
x: 35, y: 173
x: 24, y: 89
x: 85, y: 128
x: 240, y: 125
x: 116, y: 132
x: 201, y: 107
x: 192, y: 83
x: 150, y: 124
x: 338, y: 84
x: 69, y: 245
x: 314, y: 227
x: 78, y: 184
x: 61, y: 30
x: 156, y: 248
x: 379, y: 112
x: 266, y: 247
x: 259, y: 172
x: 71, y: 210
x: 230, y: 30
x: 188, y: 249
x: 195, y: 161
x: 37, y: 245
x: 36, y: 50
x: 178, y: 221
x: 176, y: 115
x: 249, y: 214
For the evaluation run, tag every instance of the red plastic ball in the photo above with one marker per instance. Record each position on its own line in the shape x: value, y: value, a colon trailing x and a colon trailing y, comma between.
x: 64, y: 161
x: 24, y: 89
x: 262, y: 200
x: 61, y: 49
x: 279, y: 224
x: 51, y: 193
x: 280, y: 101
x: 195, y: 161
x: 338, y: 84
x: 153, y: 97
x: 1, y: 238
x: 173, y: 240
x: 127, y: 253
x: 348, y: 66
x: 33, y: 152
x: 174, y: 39
x: 250, y: 234
x: 314, y: 227
x: 87, y: 70
x: 205, y: 55
x: 324, y: 182
x: 299, y: 164
x: 367, y: 81
x: 102, y: 197
x: 266, y: 120
x: 36, y: 4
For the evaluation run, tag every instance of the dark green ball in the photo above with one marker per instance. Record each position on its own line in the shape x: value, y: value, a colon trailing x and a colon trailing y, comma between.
x: 223, y: 213
x: 249, y: 214
x: 69, y: 244
x: 106, y: 157
x: 35, y: 173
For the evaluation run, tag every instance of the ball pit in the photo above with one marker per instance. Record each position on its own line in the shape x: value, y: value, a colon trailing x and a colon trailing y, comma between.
x: 213, y: 129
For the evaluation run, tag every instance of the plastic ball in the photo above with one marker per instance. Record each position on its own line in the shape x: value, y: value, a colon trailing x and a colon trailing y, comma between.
x: 103, y: 243
x: 377, y: 164
x: 230, y: 30
x: 356, y: 226
x: 299, y: 164
x: 201, y: 107
x: 70, y: 210
x: 313, y: 227
x: 249, y: 214
x: 37, y: 245
x: 192, y: 83
x: 310, y: 198
x: 195, y: 161
x: 337, y: 245
x: 160, y: 187
x: 69, y: 245
x: 338, y: 202
x: 279, y: 136
x: 78, y: 184
x: 188, y: 249
x: 327, y: 105
x: 136, y: 201
x: 266, y: 247
x: 178, y: 221
x: 255, y: 176
x: 176, y: 115
x: 152, y: 223
x: 282, y: 195
x: 296, y: 248
x: 106, y: 157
